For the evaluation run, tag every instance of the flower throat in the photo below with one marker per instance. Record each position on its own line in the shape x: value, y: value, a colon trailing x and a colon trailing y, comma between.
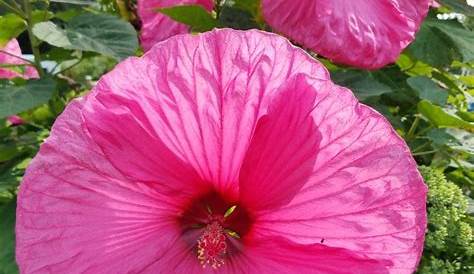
x: 221, y: 223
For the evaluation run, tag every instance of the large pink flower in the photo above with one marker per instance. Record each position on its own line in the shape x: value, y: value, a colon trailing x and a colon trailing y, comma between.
x: 228, y: 150
x: 157, y: 27
x: 361, y: 33
x: 9, y: 56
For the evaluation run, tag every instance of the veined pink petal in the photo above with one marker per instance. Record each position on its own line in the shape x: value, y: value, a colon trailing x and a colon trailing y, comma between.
x: 364, y: 194
x: 278, y: 255
x: 284, y: 147
x: 78, y: 214
x: 361, y: 33
x: 157, y: 27
x: 12, y: 50
x: 106, y: 188
x: 274, y: 255
x: 200, y: 96
x: 435, y: 4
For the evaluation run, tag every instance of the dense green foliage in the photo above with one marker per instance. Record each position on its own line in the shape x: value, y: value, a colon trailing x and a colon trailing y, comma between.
x: 449, y: 243
x: 427, y: 95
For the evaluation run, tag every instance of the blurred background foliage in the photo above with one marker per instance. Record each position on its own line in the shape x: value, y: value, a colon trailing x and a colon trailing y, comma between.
x: 427, y: 95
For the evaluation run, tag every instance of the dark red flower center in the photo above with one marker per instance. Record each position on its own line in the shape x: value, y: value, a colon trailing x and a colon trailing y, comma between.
x: 221, y: 223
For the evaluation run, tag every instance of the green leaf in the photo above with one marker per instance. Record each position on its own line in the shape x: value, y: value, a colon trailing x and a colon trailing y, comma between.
x: 363, y: 83
x: 442, y: 119
x: 448, y: 80
x: 237, y: 19
x: 428, y: 90
x: 462, y: 38
x: 68, y: 14
x: 15, y: 99
x: 7, y: 152
x: 195, y: 16
x: 76, y: 2
x: 433, y: 46
x: 41, y: 16
x: 7, y: 238
x: 52, y: 34
x: 468, y: 80
x: 251, y: 6
x: 412, y: 66
x: 440, y: 42
x: 440, y: 137
x: 468, y: 116
x: 11, y: 25
x: 103, y: 34
x: 460, y: 6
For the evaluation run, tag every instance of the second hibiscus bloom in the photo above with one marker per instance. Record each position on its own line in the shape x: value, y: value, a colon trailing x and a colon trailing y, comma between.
x: 360, y: 33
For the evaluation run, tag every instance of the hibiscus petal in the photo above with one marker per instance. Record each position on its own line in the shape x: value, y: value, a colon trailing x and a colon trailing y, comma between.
x: 278, y: 255
x: 361, y: 33
x: 282, y: 154
x: 365, y: 193
x: 157, y: 27
x: 272, y: 255
x: 77, y: 214
x: 105, y: 191
x: 132, y: 145
x: 10, y: 56
x: 199, y: 97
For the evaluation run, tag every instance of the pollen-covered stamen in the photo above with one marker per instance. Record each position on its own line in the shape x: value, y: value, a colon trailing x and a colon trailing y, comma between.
x: 212, y: 246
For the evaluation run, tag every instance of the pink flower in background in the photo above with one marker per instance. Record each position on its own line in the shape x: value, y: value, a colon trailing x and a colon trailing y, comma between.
x: 13, y: 49
x: 9, y: 56
x: 435, y: 4
x: 225, y: 152
x: 157, y: 27
x: 15, y: 120
x: 360, y: 33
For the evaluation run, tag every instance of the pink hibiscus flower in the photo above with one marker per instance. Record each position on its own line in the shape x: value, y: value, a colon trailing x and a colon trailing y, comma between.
x: 435, y: 4
x: 157, y: 27
x: 360, y: 33
x: 15, y: 120
x: 225, y: 152
x: 9, y: 56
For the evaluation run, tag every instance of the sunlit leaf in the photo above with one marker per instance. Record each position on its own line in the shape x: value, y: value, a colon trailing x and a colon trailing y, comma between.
x: 11, y: 25
x: 103, y: 34
x: 441, y: 118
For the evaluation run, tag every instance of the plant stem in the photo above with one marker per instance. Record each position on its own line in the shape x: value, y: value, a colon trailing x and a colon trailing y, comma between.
x: 70, y: 67
x: 218, y: 8
x: 413, y: 127
x: 123, y: 10
x: 419, y: 147
x: 34, y: 43
x: 425, y: 130
x: 425, y: 152
x: 13, y: 9
x: 21, y: 58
